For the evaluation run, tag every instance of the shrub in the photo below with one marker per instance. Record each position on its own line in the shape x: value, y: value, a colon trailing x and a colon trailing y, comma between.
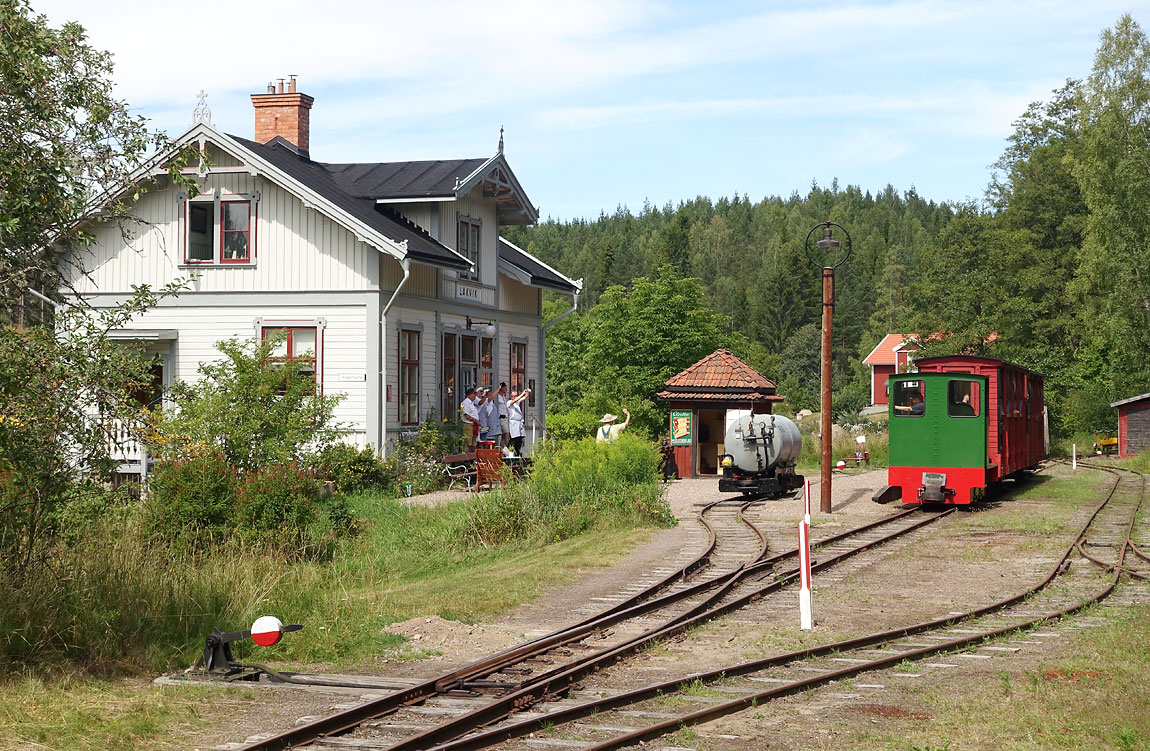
x: 255, y: 409
x: 351, y: 469
x: 192, y: 496
x: 573, y: 487
x: 280, y: 506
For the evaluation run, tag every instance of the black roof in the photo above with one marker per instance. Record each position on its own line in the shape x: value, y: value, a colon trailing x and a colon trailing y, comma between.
x: 541, y: 275
x: 420, y: 245
x: 384, y: 180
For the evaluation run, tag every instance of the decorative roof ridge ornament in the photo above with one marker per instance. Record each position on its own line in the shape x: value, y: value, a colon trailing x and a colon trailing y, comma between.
x: 202, y: 113
x: 500, y: 149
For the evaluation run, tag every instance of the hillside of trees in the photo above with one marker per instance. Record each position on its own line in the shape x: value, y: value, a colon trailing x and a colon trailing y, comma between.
x: 1049, y: 271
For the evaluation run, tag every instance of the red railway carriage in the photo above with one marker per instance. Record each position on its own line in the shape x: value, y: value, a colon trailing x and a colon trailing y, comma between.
x: 960, y: 423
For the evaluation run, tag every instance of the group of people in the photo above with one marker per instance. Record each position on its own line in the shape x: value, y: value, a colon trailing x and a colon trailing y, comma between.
x: 489, y: 415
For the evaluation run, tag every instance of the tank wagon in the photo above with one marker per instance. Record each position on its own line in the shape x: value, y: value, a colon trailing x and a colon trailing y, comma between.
x: 960, y: 424
x: 761, y: 455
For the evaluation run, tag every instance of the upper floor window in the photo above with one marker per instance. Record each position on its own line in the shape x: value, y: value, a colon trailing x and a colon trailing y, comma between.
x: 219, y: 230
x: 468, y: 245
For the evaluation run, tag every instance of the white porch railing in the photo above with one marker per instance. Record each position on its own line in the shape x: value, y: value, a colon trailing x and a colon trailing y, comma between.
x: 130, y: 455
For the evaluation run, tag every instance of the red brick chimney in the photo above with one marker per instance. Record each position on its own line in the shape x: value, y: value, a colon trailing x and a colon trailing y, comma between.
x: 283, y: 113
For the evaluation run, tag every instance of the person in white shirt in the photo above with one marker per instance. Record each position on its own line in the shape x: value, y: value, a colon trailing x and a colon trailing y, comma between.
x: 489, y: 427
x: 608, y: 431
x: 501, y: 405
x: 470, y: 419
x: 515, y: 422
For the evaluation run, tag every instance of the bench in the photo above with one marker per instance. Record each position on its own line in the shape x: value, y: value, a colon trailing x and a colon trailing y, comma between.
x: 460, y: 468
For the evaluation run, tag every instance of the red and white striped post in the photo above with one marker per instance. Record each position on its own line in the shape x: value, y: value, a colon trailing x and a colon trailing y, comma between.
x: 806, y: 619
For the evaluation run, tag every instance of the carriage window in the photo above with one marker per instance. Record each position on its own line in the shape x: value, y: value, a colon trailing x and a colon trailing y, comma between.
x: 963, y: 399
x: 908, y: 399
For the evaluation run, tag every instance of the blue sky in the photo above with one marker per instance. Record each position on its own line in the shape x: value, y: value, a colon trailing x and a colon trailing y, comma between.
x: 616, y: 102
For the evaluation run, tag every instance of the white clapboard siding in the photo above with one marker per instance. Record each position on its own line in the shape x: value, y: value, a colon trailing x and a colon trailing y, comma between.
x: 296, y: 248
x: 421, y: 283
x: 515, y: 297
x: 343, y: 355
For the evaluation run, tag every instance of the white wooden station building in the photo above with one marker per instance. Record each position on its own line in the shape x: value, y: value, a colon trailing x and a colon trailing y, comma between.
x: 392, y: 278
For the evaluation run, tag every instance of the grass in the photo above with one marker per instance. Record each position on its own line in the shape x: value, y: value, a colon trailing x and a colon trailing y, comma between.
x: 877, y: 445
x: 118, y: 604
x: 79, y: 713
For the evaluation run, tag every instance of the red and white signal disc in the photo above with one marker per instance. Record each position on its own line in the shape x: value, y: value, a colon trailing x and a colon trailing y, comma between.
x: 267, y: 630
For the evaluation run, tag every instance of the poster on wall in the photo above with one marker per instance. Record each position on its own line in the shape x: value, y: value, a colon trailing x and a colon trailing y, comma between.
x: 681, y: 427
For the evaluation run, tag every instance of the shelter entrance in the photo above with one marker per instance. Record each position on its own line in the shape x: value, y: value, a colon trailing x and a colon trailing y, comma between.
x: 710, y: 431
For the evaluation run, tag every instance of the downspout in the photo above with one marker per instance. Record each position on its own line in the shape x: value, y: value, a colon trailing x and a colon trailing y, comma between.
x: 405, y: 263
x: 543, y: 348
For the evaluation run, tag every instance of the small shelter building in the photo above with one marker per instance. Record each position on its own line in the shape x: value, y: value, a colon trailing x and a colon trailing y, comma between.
x: 1133, y: 425
x: 891, y: 355
x: 705, y: 399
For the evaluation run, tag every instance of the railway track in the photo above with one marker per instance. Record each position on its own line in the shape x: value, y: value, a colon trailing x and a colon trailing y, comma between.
x: 1108, y: 546
x: 733, y: 571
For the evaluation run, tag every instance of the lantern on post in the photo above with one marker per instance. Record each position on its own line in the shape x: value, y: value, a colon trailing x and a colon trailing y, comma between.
x: 830, y: 258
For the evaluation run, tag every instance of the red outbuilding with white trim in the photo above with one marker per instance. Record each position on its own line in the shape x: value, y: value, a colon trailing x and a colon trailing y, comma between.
x: 1133, y: 425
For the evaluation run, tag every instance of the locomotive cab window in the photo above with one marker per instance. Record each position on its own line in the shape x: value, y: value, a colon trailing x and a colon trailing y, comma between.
x: 963, y: 399
x: 908, y: 399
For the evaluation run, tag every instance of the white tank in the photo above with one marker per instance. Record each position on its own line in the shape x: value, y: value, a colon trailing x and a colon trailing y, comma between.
x: 761, y: 443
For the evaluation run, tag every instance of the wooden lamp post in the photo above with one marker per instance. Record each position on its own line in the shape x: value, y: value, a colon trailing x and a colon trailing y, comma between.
x: 829, y: 247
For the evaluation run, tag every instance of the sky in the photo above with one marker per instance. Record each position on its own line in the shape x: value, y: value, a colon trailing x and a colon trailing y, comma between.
x: 609, y: 103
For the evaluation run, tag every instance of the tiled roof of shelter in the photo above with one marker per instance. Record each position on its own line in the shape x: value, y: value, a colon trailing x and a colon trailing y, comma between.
x: 720, y: 375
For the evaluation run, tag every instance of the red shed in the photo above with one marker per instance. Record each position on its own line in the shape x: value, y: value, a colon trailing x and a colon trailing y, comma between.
x: 1016, y: 433
x: 890, y: 356
x: 704, y: 399
x: 1133, y: 425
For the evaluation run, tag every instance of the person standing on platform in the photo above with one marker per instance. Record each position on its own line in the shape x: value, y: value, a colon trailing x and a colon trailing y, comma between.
x: 470, y: 420
x: 501, y: 407
x: 515, y: 422
x: 489, y: 420
x: 608, y: 431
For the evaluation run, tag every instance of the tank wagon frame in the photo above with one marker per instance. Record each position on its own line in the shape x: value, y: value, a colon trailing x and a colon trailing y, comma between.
x: 959, y: 424
x: 762, y: 450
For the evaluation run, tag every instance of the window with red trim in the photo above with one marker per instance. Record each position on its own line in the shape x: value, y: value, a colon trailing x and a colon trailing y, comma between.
x: 297, y: 346
x: 518, y: 366
x: 235, y: 232
x: 408, y: 377
x: 219, y: 232
x: 449, y: 405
